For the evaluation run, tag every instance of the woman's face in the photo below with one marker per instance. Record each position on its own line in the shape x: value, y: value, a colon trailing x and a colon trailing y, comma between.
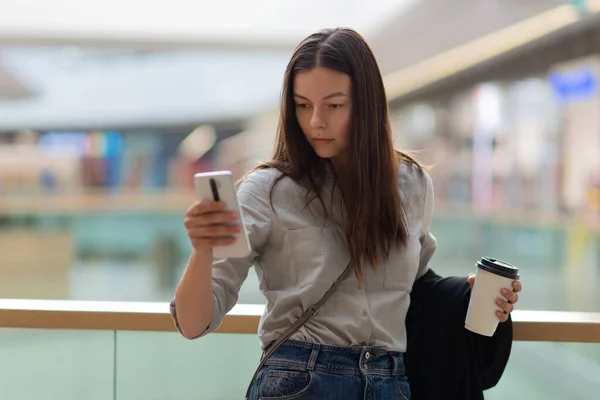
x: 323, y: 103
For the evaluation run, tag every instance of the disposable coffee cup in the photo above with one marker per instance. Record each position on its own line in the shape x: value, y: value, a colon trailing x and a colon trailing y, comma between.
x: 492, y: 276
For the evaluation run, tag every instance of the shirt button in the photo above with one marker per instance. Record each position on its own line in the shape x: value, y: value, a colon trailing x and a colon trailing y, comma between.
x: 365, y: 314
x: 363, y: 343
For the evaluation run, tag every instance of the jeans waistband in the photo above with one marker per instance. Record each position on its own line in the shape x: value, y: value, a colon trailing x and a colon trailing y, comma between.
x: 337, y: 359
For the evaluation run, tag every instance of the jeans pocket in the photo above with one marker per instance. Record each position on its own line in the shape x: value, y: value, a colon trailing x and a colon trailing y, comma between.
x: 403, y: 388
x: 285, y: 384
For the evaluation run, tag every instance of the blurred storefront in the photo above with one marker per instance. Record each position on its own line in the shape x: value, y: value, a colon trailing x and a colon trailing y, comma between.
x: 112, y: 160
x: 525, y: 141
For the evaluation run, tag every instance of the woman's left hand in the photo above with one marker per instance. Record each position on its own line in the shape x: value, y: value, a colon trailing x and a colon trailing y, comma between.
x: 507, y: 306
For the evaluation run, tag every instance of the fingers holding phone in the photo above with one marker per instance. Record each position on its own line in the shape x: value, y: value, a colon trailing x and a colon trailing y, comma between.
x: 217, y: 220
x: 209, y: 225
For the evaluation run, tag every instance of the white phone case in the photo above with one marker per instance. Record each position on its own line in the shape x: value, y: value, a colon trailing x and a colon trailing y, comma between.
x: 220, y: 184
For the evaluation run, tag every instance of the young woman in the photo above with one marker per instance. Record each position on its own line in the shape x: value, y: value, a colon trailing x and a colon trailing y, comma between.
x: 336, y: 193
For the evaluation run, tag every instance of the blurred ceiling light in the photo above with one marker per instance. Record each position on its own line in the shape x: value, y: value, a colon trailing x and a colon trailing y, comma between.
x: 461, y: 58
x: 198, y: 143
x: 593, y: 5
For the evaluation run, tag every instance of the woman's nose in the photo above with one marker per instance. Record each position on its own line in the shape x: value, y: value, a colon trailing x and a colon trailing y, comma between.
x: 316, y: 120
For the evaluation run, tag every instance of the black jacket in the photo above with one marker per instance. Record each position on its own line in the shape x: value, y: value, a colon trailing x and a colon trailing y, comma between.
x: 443, y: 359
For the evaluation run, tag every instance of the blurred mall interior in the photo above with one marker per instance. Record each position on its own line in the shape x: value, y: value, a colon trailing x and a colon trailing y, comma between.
x: 107, y: 109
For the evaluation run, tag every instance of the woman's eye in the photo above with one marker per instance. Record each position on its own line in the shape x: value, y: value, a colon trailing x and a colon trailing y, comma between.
x: 335, y: 105
x: 301, y: 105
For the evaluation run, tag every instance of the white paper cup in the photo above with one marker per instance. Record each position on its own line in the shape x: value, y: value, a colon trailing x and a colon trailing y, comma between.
x: 492, y: 276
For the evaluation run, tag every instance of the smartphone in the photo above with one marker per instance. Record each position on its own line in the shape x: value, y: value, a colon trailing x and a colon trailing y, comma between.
x: 219, y: 186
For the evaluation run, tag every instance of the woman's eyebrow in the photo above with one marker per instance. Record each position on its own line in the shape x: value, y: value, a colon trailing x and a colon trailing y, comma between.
x: 329, y: 96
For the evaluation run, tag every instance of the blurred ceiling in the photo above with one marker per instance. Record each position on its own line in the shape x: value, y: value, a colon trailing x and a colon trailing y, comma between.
x: 435, y: 26
x: 133, y: 62
x: 267, y: 24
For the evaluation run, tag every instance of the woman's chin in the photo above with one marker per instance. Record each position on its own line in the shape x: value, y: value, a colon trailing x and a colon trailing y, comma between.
x: 326, y: 154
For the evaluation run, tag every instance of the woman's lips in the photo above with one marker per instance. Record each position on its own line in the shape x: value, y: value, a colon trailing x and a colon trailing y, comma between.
x: 322, y: 141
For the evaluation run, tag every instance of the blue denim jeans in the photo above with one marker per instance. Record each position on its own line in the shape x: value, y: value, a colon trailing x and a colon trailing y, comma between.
x: 300, y: 370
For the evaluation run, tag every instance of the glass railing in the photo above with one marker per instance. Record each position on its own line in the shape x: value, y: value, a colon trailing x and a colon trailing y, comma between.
x: 128, y: 351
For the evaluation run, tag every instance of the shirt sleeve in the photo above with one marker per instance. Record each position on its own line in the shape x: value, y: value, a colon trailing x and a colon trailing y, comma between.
x: 428, y: 241
x: 228, y: 275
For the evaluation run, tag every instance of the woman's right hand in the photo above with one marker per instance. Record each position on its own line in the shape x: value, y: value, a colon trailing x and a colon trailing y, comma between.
x: 209, y: 226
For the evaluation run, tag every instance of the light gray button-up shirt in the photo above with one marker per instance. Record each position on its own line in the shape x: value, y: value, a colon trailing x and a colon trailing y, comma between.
x: 297, y: 255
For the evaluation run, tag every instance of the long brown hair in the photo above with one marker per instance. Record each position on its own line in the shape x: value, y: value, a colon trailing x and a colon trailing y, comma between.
x: 374, y: 214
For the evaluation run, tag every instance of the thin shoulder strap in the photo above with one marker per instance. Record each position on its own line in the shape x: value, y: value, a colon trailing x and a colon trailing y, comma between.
x: 308, y: 314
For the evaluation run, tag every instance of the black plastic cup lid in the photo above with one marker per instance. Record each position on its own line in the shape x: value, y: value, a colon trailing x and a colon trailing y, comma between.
x: 498, y: 267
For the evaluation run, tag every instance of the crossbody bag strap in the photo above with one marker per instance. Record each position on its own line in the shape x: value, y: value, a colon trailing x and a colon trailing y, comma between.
x: 308, y: 314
